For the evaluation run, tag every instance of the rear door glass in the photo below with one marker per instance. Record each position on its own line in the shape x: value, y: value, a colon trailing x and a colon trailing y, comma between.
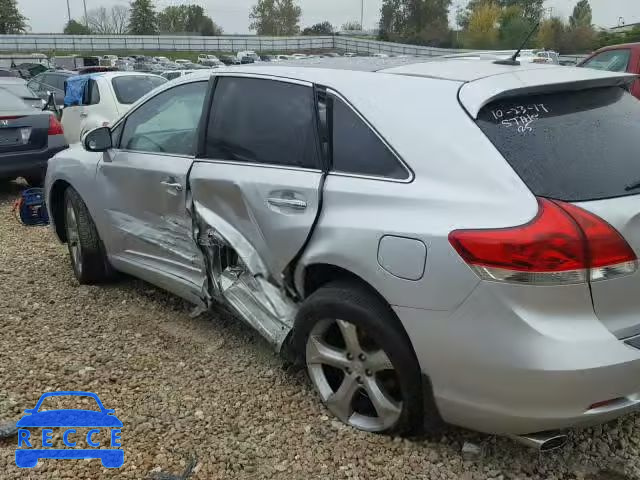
x: 571, y: 146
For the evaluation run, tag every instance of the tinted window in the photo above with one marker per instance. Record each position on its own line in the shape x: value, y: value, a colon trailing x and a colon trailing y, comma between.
x: 357, y: 149
x: 569, y: 146
x: 172, y: 75
x: 131, y: 88
x: 94, y: 93
x: 612, y: 60
x: 167, y: 123
x: 262, y: 121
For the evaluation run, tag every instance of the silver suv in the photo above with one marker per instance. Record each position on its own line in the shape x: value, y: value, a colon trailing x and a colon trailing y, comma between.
x: 452, y: 240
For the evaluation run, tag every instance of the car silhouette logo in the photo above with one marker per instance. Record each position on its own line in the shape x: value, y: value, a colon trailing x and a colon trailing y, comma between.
x: 69, y: 419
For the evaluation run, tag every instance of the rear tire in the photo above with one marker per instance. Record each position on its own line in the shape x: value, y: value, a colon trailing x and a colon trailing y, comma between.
x: 370, y: 379
x: 90, y: 264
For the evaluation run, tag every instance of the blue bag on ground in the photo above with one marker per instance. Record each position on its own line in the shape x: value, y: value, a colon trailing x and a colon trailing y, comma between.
x: 31, y: 207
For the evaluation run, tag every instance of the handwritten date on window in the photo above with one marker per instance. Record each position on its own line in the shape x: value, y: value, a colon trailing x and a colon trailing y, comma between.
x: 521, y: 117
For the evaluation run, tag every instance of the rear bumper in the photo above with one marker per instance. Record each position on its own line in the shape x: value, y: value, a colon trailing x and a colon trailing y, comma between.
x: 507, y: 363
x: 31, y: 162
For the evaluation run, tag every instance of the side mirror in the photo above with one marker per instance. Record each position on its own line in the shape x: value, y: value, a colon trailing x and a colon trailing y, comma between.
x: 98, y: 140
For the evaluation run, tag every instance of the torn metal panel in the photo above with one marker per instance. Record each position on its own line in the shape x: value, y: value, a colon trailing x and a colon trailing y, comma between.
x: 236, y: 277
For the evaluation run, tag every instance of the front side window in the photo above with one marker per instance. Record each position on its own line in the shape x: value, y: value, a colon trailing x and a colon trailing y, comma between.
x: 611, y: 60
x: 356, y: 147
x: 167, y: 123
x: 130, y: 88
x: 262, y: 121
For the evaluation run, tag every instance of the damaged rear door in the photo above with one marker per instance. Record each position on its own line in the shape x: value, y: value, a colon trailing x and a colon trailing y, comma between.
x: 144, y: 185
x: 256, y: 194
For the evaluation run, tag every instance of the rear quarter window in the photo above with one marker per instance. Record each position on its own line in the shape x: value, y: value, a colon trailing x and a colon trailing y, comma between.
x: 571, y: 146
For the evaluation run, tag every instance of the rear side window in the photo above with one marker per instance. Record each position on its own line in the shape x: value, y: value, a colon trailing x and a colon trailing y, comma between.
x: 129, y: 89
x: 611, y: 60
x: 357, y: 149
x: 572, y: 146
x: 262, y: 121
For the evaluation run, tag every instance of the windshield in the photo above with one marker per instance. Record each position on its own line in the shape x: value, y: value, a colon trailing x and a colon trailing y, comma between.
x: 571, y: 146
x: 19, y: 90
x: 131, y: 88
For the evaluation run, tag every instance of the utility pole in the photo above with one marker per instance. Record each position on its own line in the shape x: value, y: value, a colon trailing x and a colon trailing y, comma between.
x: 362, y: 15
x: 86, y: 18
x: 68, y: 11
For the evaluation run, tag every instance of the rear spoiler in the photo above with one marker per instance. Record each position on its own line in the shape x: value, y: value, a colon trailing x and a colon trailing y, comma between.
x: 476, y: 94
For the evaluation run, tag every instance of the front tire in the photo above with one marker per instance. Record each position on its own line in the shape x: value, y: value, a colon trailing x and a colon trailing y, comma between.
x: 359, y: 359
x: 88, y: 260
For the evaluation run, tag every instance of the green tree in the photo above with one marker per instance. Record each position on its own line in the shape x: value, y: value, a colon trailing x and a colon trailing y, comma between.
x: 275, y: 17
x: 187, y: 19
x: 391, y: 20
x: 172, y: 19
x: 76, y: 28
x: 582, y: 15
x: 552, y: 35
x: 142, y: 19
x: 514, y: 27
x: 531, y: 9
x: 324, y: 28
x: 208, y: 28
x: 423, y: 22
x: 11, y: 20
x: 483, y: 31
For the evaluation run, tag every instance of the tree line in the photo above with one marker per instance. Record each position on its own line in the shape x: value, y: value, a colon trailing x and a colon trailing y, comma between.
x: 495, y: 24
x: 481, y: 24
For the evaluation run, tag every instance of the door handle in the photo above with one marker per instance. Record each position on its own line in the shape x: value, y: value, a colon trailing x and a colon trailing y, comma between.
x: 84, y: 114
x: 291, y: 203
x: 176, y: 186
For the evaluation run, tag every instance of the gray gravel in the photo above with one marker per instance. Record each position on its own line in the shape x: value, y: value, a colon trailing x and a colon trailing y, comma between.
x: 210, y: 389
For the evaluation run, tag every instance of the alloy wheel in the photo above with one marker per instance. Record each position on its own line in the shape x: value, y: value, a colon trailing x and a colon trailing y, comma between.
x: 73, y: 237
x: 353, y: 375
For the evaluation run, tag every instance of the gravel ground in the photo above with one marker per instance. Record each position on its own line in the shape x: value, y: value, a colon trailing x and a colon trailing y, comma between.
x: 209, y: 394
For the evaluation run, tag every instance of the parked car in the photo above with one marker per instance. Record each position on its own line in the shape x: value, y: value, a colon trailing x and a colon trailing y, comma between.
x: 230, y: 60
x: 28, y: 138
x: 209, y: 60
x: 50, y: 82
x: 102, y: 98
x: 248, y: 56
x: 182, y: 61
x: 19, y: 88
x: 173, y: 74
x: 108, y: 60
x: 490, y: 283
x: 617, y: 58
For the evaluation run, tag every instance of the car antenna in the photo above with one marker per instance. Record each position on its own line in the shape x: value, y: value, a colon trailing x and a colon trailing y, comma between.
x: 512, y: 61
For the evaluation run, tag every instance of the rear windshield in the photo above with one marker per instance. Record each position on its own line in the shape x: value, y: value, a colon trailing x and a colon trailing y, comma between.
x: 572, y: 146
x: 19, y: 90
x: 131, y: 88
x: 8, y: 101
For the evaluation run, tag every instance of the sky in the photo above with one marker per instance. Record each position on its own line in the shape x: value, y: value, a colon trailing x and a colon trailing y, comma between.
x: 233, y: 15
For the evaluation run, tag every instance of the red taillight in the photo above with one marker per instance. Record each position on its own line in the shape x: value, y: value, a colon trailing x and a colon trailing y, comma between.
x: 55, y: 127
x: 563, y: 244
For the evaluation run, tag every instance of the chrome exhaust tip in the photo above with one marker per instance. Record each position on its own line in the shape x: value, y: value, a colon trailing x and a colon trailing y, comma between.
x: 543, y: 441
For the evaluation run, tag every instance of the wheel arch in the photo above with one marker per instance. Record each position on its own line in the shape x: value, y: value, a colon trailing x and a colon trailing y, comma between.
x: 316, y: 275
x: 56, y: 207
